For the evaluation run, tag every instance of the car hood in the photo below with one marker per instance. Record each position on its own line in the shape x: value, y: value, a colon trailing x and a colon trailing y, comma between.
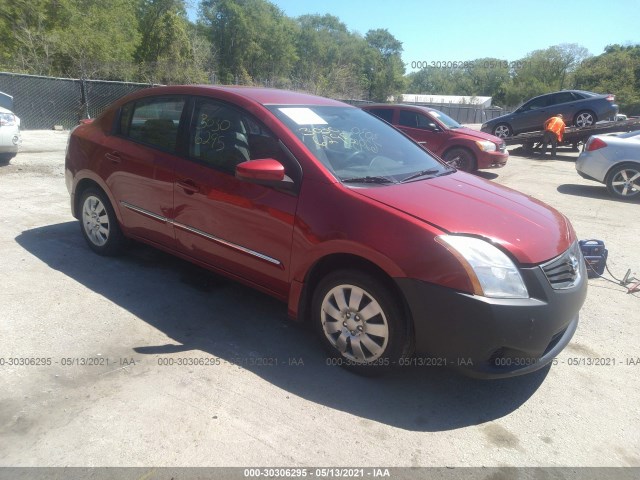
x: 501, y: 118
x: 461, y: 203
x: 478, y: 134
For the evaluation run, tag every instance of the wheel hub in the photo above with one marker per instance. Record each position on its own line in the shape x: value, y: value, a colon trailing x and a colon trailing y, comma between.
x: 352, y: 322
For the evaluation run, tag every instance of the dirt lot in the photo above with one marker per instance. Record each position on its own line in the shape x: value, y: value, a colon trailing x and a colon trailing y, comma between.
x: 145, y: 360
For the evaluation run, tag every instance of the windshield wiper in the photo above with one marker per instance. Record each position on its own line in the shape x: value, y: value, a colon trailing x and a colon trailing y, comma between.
x: 368, y: 179
x: 422, y: 173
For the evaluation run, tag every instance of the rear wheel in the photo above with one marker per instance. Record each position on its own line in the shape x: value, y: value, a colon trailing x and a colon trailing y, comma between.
x: 502, y: 130
x: 584, y: 119
x: 360, y: 322
x: 623, y: 181
x: 461, y: 158
x: 99, y: 224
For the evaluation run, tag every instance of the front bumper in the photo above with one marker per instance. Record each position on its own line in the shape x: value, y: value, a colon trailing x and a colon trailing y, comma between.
x: 496, y: 159
x: 493, y: 338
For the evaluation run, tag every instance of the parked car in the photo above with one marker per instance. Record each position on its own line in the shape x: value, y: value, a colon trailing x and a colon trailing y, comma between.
x: 388, y: 251
x: 578, y: 107
x: 615, y: 161
x: 10, y: 138
x: 461, y: 147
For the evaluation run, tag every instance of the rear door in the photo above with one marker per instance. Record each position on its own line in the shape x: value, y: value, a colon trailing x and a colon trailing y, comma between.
x: 141, y: 158
x: 236, y: 226
x: 564, y: 103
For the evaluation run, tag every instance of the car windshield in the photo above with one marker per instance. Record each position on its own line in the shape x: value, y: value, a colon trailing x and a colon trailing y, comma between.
x: 358, y: 147
x: 446, y: 119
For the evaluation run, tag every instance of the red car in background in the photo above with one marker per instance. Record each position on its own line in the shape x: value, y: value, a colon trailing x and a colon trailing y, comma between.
x: 461, y: 147
x: 385, y: 249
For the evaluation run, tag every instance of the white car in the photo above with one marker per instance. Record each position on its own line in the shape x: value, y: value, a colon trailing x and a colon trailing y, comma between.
x: 9, y: 135
x: 615, y: 161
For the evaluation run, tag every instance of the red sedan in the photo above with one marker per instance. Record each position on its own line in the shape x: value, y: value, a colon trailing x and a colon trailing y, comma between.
x: 461, y: 147
x: 388, y: 251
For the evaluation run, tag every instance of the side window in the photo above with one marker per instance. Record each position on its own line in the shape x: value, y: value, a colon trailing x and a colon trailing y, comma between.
x: 223, y: 137
x: 423, y: 121
x: 539, y: 103
x: 408, y: 119
x: 385, y: 114
x: 153, y: 121
x: 563, y: 97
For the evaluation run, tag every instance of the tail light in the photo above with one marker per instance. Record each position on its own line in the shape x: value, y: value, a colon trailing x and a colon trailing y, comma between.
x: 611, y: 98
x: 595, y: 143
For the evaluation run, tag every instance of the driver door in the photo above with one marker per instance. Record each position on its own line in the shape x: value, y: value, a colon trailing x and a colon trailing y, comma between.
x: 233, y: 225
x: 421, y: 128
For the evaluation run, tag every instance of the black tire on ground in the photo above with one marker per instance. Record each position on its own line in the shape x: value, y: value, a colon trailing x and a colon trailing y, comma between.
x: 462, y: 159
x: 502, y: 130
x: 623, y: 181
x: 585, y: 118
x: 360, y: 322
x: 99, y: 224
x: 6, y: 158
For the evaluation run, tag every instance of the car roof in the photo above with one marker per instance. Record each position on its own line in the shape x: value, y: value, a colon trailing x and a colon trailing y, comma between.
x: 261, y: 95
x: 396, y: 105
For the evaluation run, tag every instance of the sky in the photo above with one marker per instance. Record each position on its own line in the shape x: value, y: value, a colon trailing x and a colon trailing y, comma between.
x: 460, y: 30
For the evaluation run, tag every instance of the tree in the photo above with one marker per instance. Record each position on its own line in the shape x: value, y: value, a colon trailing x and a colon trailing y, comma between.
x: 170, y: 50
x: 615, y: 71
x: 254, y: 40
x: 385, y: 65
x: 543, y: 71
x: 330, y: 58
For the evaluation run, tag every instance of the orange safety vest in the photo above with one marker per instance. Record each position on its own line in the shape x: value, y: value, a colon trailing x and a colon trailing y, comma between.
x: 555, y: 125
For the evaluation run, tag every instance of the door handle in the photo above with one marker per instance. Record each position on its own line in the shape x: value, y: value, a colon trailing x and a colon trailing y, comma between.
x: 189, y: 187
x: 114, y: 157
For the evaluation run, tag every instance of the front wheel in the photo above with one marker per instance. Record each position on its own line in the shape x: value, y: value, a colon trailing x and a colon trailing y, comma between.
x: 461, y: 158
x: 360, y: 322
x: 99, y: 224
x: 502, y: 130
x: 624, y: 182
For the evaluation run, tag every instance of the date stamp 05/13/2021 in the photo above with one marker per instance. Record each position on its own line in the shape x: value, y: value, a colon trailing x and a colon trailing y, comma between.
x: 469, y: 64
x: 266, y: 361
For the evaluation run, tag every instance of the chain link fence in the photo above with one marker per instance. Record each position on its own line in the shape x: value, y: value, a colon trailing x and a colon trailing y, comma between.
x: 43, y: 102
x: 467, y: 113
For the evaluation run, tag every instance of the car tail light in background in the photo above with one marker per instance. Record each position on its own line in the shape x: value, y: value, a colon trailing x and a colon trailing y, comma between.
x: 611, y: 98
x: 595, y: 143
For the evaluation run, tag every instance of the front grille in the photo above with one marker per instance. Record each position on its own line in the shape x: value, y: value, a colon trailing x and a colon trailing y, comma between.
x: 565, y: 270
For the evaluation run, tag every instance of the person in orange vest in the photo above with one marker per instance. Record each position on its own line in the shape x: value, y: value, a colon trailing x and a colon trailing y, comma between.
x: 553, y: 132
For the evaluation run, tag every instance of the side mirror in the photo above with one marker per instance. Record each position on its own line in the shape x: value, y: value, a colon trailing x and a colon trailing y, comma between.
x: 266, y: 171
x: 433, y: 127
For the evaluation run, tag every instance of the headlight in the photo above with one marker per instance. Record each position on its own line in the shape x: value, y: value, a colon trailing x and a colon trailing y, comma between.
x: 486, y: 146
x: 483, y: 126
x: 492, y: 273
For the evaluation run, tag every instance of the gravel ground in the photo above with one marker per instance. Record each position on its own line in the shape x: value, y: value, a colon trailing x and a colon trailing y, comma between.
x: 106, y: 342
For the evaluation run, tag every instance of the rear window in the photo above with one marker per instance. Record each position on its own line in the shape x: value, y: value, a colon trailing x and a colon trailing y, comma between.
x: 153, y: 121
x: 385, y: 114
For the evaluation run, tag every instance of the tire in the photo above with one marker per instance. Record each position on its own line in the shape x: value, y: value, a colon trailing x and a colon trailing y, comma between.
x: 5, y: 158
x: 99, y: 224
x: 585, y: 118
x: 503, y: 130
x: 462, y: 159
x: 623, y: 181
x: 360, y: 322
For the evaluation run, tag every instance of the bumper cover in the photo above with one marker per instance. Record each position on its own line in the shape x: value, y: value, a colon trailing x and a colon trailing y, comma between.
x: 494, y: 338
